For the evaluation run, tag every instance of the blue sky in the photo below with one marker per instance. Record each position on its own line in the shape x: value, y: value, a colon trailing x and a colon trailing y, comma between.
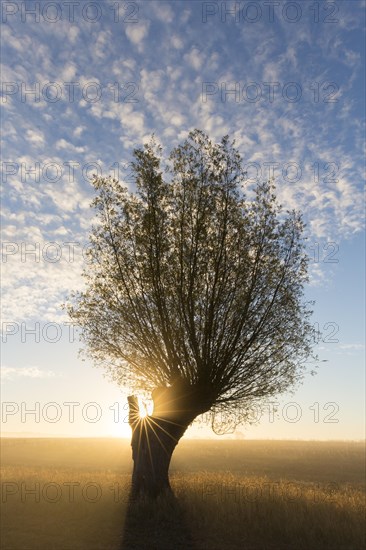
x: 284, y: 79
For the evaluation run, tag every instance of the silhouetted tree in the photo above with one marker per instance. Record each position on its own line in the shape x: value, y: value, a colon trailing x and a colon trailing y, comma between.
x: 194, y: 289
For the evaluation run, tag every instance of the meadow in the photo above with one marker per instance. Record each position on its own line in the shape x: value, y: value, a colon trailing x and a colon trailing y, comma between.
x: 73, y: 494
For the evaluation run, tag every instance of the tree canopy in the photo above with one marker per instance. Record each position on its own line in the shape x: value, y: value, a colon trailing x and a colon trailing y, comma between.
x: 192, y: 276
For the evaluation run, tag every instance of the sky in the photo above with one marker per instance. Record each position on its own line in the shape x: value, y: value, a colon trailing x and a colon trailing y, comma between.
x: 84, y: 83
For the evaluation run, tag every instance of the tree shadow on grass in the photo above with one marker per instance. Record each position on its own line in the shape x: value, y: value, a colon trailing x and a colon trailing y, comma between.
x: 158, y: 524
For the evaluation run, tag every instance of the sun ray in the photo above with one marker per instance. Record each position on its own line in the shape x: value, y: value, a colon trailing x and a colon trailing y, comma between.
x: 150, y: 420
x: 170, y: 435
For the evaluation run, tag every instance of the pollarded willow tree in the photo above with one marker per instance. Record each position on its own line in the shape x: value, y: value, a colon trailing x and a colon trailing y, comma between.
x: 194, y: 289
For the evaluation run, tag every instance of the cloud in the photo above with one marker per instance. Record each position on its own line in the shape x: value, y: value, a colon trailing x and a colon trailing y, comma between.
x: 176, y: 41
x: 163, y: 11
x: 78, y: 131
x: 137, y: 32
x: 351, y: 58
x: 102, y: 44
x: 19, y: 43
x: 63, y: 144
x: 352, y: 346
x: 40, y: 269
x: 68, y: 72
x: 185, y: 15
x: 170, y: 74
x: 35, y: 138
x: 73, y: 33
x: 194, y: 58
x: 11, y: 373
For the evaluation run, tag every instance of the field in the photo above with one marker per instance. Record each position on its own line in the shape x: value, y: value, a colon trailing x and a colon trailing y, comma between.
x: 73, y: 494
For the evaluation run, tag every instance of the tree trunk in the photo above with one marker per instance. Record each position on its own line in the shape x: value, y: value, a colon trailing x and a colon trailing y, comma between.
x: 154, y: 437
x: 153, y: 441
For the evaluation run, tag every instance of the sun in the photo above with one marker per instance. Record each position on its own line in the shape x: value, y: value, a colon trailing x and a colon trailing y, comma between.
x: 143, y: 413
x: 119, y: 426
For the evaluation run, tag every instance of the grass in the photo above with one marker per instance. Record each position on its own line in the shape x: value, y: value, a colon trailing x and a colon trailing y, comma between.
x: 73, y: 494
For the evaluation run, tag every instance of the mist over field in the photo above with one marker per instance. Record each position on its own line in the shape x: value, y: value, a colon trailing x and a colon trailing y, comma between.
x: 73, y: 494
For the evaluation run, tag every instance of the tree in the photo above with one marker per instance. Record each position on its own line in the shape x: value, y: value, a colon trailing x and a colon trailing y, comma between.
x: 194, y: 289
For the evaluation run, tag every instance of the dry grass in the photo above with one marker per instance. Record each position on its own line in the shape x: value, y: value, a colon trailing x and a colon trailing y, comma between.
x: 229, y: 495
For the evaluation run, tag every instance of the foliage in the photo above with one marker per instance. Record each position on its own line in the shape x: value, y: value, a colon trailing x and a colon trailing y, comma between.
x: 190, y: 278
